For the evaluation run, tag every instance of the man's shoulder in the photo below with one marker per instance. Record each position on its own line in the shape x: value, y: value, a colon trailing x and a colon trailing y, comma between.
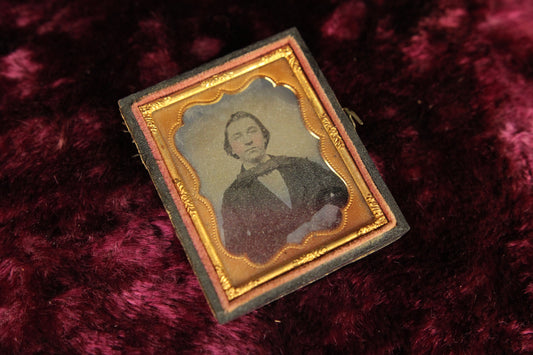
x: 286, y: 160
x: 231, y: 189
x: 297, y: 163
x: 233, y: 192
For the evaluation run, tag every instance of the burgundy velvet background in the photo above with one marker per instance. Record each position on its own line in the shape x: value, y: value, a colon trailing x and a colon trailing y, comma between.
x: 89, y: 262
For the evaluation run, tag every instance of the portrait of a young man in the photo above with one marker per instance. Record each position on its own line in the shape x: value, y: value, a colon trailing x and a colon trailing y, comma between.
x: 275, y: 199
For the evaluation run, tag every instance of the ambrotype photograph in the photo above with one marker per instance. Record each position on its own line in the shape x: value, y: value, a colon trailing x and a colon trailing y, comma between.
x: 262, y: 174
x: 262, y: 170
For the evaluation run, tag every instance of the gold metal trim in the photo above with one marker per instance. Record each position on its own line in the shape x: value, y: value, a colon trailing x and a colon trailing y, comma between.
x: 188, y: 197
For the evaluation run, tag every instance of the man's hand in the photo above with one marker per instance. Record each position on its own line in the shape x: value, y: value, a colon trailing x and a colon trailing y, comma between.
x: 326, y: 217
x: 297, y: 235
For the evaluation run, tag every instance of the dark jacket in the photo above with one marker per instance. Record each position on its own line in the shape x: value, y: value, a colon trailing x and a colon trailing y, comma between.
x: 256, y: 222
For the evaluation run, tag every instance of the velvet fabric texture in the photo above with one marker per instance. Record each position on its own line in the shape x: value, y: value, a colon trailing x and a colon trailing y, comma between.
x: 89, y: 262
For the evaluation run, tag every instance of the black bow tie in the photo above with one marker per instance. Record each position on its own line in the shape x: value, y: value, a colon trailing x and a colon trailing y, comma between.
x: 247, y: 176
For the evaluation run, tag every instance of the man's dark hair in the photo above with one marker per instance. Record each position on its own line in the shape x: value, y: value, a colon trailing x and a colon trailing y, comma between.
x: 237, y: 116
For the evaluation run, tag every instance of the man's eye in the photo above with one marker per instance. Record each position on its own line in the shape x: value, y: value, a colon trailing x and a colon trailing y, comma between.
x: 236, y: 136
x: 252, y: 130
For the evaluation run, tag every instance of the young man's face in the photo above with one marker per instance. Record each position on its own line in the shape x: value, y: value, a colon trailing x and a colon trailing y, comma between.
x: 247, y: 140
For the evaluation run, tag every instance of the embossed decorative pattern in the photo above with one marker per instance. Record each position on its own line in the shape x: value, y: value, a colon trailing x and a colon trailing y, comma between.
x: 194, y: 203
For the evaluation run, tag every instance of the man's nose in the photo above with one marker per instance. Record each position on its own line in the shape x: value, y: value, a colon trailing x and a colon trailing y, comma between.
x: 248, y: 139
